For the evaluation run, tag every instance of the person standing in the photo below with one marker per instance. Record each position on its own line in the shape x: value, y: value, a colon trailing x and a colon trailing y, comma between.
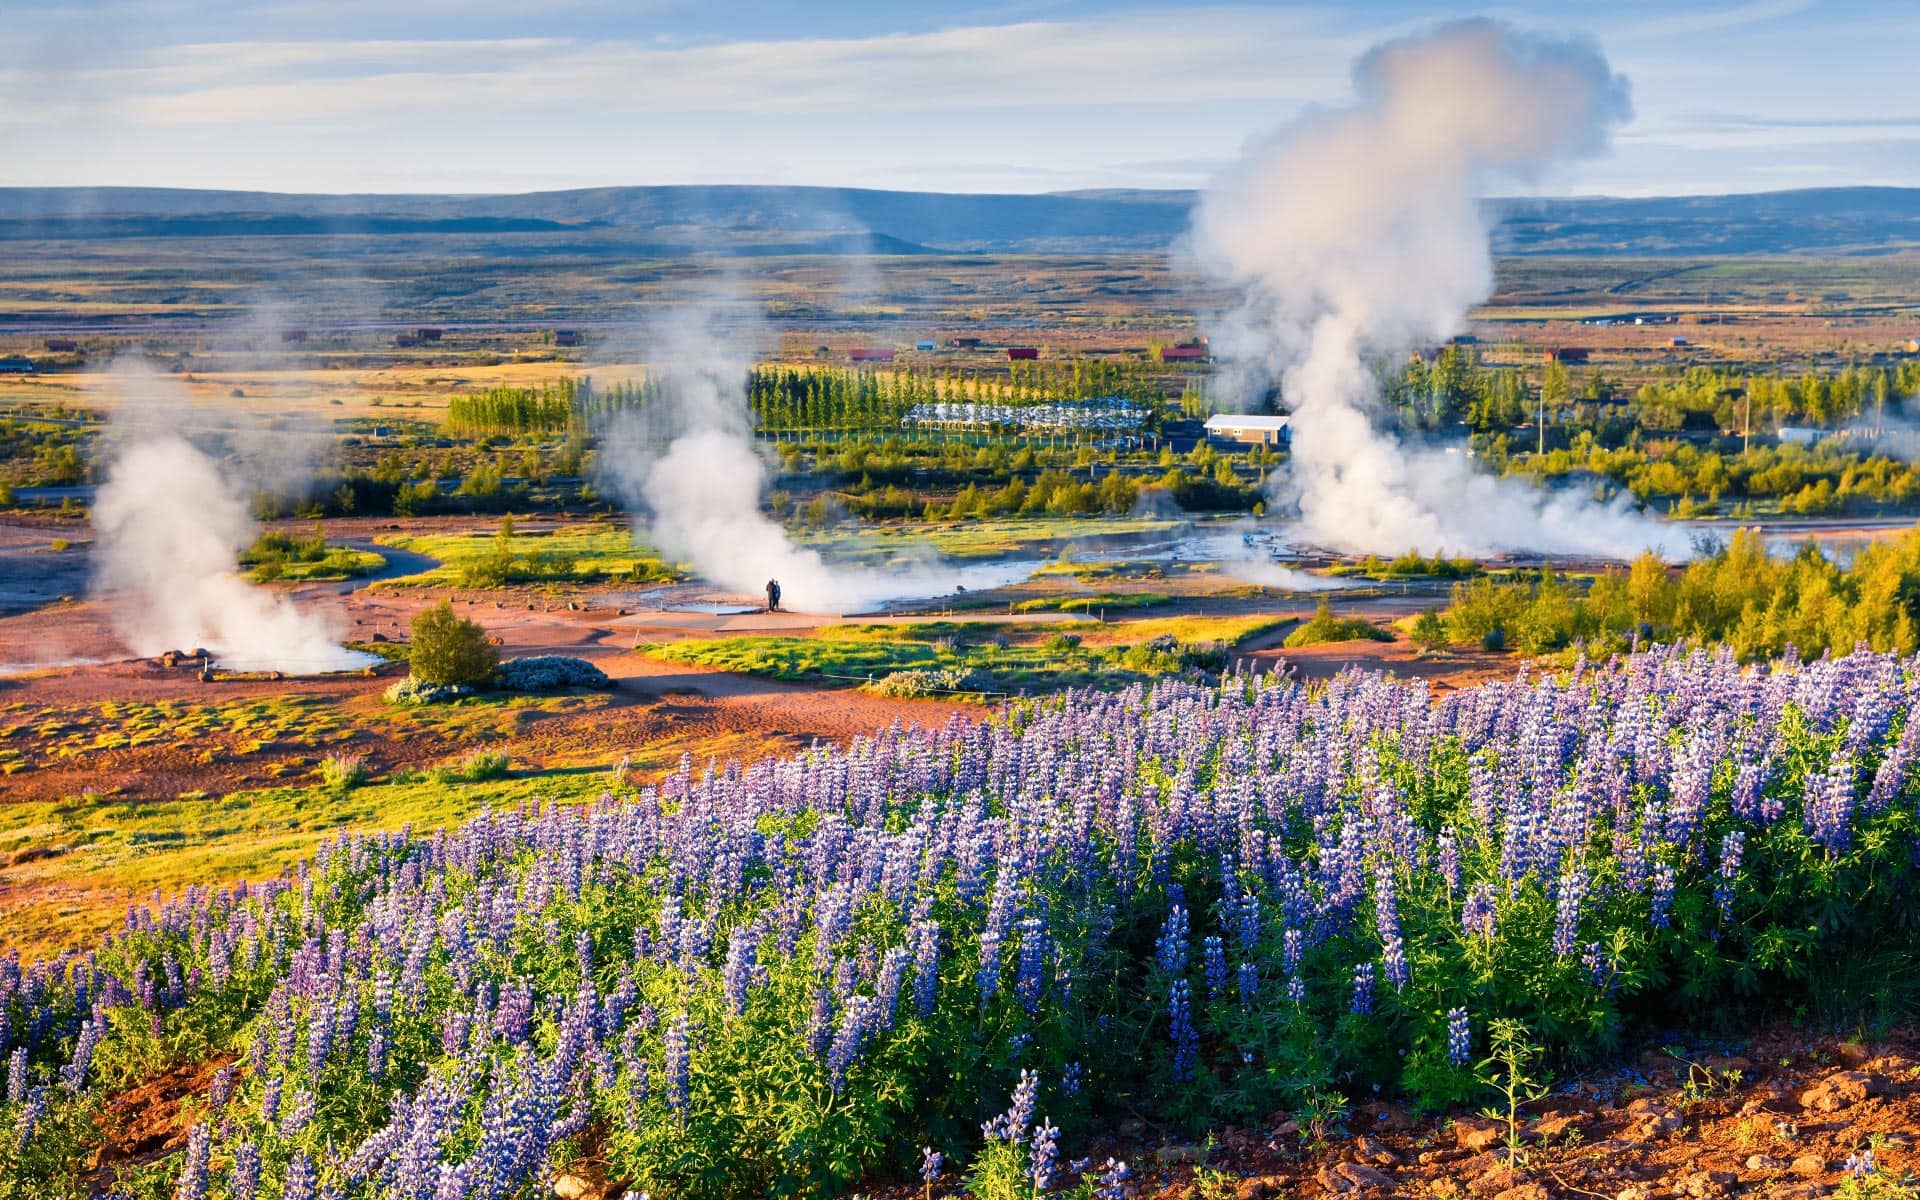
x: 773, y: 595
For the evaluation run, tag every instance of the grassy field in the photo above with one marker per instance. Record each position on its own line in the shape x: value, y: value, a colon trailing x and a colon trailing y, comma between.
x: 975, y: 540
x: 982, y: 659
x: 598, y: 553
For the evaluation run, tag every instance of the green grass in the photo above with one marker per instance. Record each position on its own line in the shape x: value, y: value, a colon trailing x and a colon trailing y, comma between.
x: 340, y: 563
x: 976, y: 540
x: 74, y: 865
x: 995, y: 658
x: 1103, y: 602
x: 573, y: 554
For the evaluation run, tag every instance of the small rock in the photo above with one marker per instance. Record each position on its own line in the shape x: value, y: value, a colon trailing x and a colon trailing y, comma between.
x: 1808, y: 1164
x: 1652, y: 1118
x: 1633, y: 1191
x: 1843, y: 1089
x: 1494, y: 1182
x: 1474, y: 1134
x: 1369, y: 1150
x: 1363, y: 1176
x: 1132, y: 1127
x: 1554, y: 1125
x: 570, y: 1187
x: 1526, y: 1191
x: 1851, y: 1054
x: 1286, y: 1129
x: 1702, y: 1184
x: 1333, y: 1181
x: 1183, y: 1152
x: 1763, y: 1162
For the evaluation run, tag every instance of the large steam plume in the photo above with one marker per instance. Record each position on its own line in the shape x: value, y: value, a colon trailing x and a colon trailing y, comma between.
x: 697, y: 480
x: 1357, y: 232
x: 170, y: 523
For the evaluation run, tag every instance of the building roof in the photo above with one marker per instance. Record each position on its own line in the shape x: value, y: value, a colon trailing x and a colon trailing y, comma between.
x: 1246, y: 421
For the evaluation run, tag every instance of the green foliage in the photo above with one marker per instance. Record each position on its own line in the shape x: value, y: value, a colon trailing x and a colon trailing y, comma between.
x: 1738, y: 595
x: 449, y: 649
x: 1508, y: 1071
x: 1325, y: 627
x: 343, y: 772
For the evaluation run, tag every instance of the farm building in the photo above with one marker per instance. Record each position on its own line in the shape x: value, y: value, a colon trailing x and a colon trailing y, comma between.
x: 1250, y: 429
x: 925, y: 344
x: 1798, y: 435
x: 62, y: 345
x: 1195, y: 350
x: 428, y: 333
x: 1568, y: 354
x: 16, y: 364
x: 870, y: 354
x: 964, y: 343
x: 567, y: 337
x: 292, y: 336
x: 1022, y: 353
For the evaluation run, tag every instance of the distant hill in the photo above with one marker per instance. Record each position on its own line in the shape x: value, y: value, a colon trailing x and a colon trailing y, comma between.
x: 803, y: 220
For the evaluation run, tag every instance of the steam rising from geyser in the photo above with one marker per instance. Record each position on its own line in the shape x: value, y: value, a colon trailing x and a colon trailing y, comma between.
x: 698, y: 481
x: 169, y: 528
x: 1356, y: 232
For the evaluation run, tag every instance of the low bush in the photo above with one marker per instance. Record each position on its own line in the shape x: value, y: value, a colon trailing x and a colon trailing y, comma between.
x: 449, y: 649
x: 1325, y: 627
x: 548, y: 673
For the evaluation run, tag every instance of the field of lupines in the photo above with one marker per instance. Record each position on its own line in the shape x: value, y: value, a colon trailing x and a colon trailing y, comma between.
x: 1201, y: 905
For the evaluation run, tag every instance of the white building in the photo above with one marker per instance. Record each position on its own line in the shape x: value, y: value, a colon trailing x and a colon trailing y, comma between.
x: 1250, y: 429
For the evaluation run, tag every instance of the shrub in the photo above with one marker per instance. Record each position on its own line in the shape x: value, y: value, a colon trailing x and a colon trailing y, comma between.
x: 451, y: 649
x: 412, y: 690
x: 920, y: 683
x: 548, y: 673
x: 481, y: 766
x: 342, y: 772
x: 1325, y: 627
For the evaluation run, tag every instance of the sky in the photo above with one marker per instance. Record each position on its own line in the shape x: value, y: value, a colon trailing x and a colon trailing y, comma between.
x: 1020, y: 96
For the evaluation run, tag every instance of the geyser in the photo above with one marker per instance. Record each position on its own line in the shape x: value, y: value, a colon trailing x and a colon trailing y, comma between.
x: 1357, y: 232
x: 169, y: 528
x: 696, y: 481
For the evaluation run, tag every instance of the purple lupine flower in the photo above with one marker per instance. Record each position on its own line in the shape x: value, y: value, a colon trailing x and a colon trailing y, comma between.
x: 1070, y: 1079
x: 1449, y: 853
x: 1296, y: 991
x: 1186, y: 1040
x: 192, y: 1184
x: 1478, y: 916
x: 679, y: 1048
x: 1247, y: 984
x: 926, y: 966
x: 300, y: 1178
x: 243, y: 1177
x: 1291, y: 945
x: 1045, y: 1149
x: 1170, y: 951
x: 1031, y: 982
x: 1113, y: 1181
x: 1566, y: 924
x: 930, y: 1160
x: 17, y: 1075
x: 1362, y: 1002
x: 847, y: 1041
x: 1011, y: 1126
x: 298, y: 1113
x: 30, y: 1114
x: 1732, y: 847
x: 1662, y: 894
x: 1213, y: 959
x: 1459, y: 1037
x: 737, y: 976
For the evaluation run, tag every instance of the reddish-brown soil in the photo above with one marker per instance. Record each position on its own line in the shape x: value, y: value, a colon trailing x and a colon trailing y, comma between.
x: 1780, y: 1117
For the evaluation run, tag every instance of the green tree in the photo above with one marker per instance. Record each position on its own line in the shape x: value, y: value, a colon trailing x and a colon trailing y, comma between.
x: 449, y: 649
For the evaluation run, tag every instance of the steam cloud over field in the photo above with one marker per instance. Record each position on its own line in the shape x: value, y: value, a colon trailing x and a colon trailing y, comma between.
x: 1356, y: 232
x: 695, y: 477
x: 170, y: 525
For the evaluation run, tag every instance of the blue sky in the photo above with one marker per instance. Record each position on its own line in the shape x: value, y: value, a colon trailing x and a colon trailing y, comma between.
x: 1027, y: 95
